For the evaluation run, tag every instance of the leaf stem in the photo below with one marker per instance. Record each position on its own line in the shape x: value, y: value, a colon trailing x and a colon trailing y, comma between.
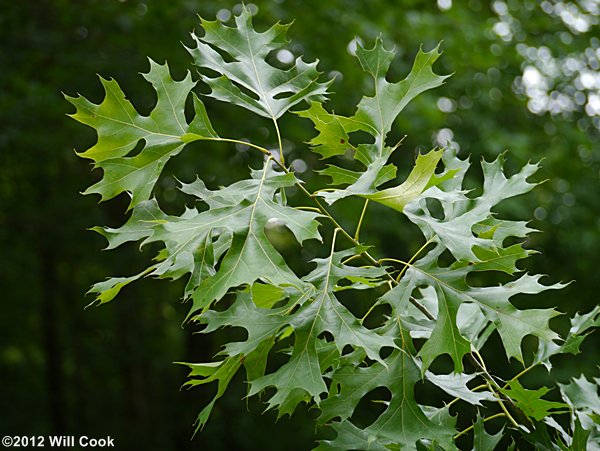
x: 352, y: 257
x: 281, y: 157
x: 492, y: 417
x: 498, y: 391
x: 421, y: 308
x: 335, y: 232
x: 480, y: 365
x: 413, y: 258
x: 525, y: 371
x: 362, y: 320
x: 309, y: 209
x: 508, y: 415
x: 244, y: 143
x: 399, y: 143
x: 360, y: 220
x: 395, y: 260
x: 455, y: 400
x: 325, y: 212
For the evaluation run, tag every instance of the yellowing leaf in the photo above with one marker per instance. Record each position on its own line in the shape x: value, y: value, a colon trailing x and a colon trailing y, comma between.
x: 418, y: 180
x: 375, y: 116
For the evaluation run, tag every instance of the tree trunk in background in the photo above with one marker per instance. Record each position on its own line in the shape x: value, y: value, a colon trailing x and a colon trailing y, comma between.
x: 51, y: 339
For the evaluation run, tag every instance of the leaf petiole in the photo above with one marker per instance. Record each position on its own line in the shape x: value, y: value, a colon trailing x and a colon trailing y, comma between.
x: 360, y: 220
x: 190, y: 137
x: 492, y: 417
x: 351, y: 258
x: 309, y: 209
x: 413, y: 258
x: 525, y: 371
x: 281, y: 157
x: 455, y: 400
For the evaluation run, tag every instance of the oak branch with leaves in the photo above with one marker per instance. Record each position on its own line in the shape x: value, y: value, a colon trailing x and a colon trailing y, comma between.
x: 332, y: 359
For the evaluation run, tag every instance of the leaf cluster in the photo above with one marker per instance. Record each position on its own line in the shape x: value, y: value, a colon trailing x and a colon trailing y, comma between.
x: 333, y: 358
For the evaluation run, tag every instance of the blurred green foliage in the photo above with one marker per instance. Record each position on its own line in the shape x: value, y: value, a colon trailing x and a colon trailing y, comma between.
x: 526, y: 79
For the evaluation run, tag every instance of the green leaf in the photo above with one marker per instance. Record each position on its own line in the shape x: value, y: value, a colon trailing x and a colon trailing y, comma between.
x: 482, y: 440
x: 582, y: 396
x: 250, y: 256
x: 531, y: 402
x: 581, y: 327
x: 351, y: 437
x: 541, y: 439
x: 580, y: 438
x: 299, y: 380
x: 260, y: 323
x: 502, y: 259
x: 377, y: 60
x: 403, y: 422
x: 143, y: 221
x: 182, y: 254
x: 204, y: 373
x: 255, y: 363
x: 456, y: 385
x: 377, y: 173
x: 265, y: 295
x: 333, y: 131
x: 249, y: 80
x: 445, y: 337
x: 120, y: 128
x: 300, y: 377
x: 461, y: 214
x: 452, y: 291
x: 107, y: 290
x: 326, y: 313
x: 375, y: 116
x: 233, y: 226
x: 484, y: 252
x: 377, y: 113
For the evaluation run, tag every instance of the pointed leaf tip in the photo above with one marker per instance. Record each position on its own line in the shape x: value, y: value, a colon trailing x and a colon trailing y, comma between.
x: 249, y: 48
x: 120, y: 128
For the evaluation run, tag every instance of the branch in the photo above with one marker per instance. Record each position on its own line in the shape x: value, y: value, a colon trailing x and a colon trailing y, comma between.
x: 326, y: 213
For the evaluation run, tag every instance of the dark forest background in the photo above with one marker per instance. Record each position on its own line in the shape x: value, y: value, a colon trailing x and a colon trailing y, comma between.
x: 526, y: 78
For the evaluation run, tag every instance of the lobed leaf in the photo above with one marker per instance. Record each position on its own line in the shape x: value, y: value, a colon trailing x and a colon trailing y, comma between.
x: 581, y: 327
x: 322, y: 312
x: 378, y: 113
x: 482, y: 440
x: 485, y: 251
x: 531, y: 402
x: 375, y: 116
x: 402, y: 424
x: 463, y: 215
x: 582, y: 397
x: 120, y: 127
x: 249, y: 80
x: 204, y: 373
x: 333, y: 360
